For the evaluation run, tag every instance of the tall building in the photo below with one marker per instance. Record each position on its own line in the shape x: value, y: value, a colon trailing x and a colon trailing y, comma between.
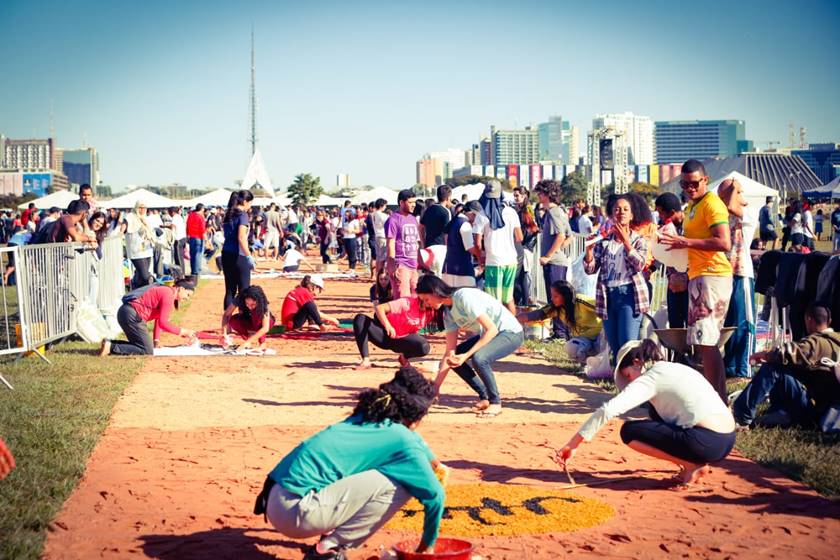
x: 638, y: 134
x: 435, y: 168
x: 823, y: 159
x: 486, y: 147
x: 2, y: 152
x: 521, y: 146
x: 571, y: 145
x: 551, y: 139
x: 678, y: 141
x: 81, y: 166
x: 30, y: 154
x: 607, y: 155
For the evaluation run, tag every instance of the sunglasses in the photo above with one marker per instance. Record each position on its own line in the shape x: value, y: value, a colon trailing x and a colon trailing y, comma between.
x: 691, y: 184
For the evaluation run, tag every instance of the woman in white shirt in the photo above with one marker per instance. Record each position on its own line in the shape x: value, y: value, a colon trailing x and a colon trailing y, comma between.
x: 691, y: 427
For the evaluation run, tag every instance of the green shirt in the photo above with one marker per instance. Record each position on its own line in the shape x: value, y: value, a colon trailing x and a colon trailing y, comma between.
x: 354, y: 446
x: 587, y: 322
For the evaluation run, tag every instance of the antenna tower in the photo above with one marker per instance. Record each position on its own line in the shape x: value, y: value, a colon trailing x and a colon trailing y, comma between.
x: 253, y: 138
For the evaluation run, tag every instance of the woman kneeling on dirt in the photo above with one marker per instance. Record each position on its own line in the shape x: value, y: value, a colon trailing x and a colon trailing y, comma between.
x: 394, y: 326
x: 299, y: 305
x: 253, y: 320
x: 148, y: 303
x: 690, y: 426
x: 346, y: 481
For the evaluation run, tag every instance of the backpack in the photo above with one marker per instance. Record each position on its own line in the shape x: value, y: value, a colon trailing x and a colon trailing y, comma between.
x: 46, y: 234
x: 137, y: 293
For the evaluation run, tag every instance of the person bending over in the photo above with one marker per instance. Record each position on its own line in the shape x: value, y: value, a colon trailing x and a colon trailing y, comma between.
x: 802, y: 389
x: 299, y: 305
x: 346, y: 481
x: 577, y: 313
x: 395, y: 327
x: 474, y: 311
x: 690, y: 425
x: 148, y: 303
x: 253, y: 320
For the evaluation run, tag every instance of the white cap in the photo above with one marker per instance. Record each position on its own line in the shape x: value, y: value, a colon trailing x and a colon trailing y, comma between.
x: 317, y: 280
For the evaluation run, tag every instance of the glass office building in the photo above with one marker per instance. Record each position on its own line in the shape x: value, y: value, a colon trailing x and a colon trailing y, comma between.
x: 678, y: 141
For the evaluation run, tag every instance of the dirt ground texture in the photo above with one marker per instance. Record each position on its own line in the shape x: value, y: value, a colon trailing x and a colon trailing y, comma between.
x: 190, y: 442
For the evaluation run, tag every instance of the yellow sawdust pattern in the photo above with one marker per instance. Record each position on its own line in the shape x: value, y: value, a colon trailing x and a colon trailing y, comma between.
x: 504, y: 510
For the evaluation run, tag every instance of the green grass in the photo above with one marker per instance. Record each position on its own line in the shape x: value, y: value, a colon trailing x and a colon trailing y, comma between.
x: 808, y: 456
x: 52, y: 422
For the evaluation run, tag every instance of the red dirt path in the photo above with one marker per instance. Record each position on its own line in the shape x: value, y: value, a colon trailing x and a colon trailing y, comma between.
x: 190, y: 442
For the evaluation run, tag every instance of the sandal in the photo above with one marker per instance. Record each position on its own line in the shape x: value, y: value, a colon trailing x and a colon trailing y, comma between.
x: 480, y: 406
x: 490, y: 412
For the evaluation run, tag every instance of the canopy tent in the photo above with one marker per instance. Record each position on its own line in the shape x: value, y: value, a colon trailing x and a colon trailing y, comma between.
x: 325, y: 200
x: 59, y: 199
x: 830, y: 190
x: 375, y: 193
x: 257, y: 176
x: 150, y: 199
x: 262, y: 201
x: 754, y: 192
x: 283, y: 200
x: 218, y: 197
x: 472, y: 191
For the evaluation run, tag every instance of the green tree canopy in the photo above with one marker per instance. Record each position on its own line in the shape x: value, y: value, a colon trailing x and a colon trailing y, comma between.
x: 648, y: 191
x: 305, y: 189
x: 573, y: 187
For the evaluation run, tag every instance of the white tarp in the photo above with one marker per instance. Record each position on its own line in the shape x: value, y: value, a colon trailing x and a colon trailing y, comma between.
x: 389, y: 195
x: 325, y: 200
x: 754, y: 192
x: 257, y: 175
x: 218, y: 197
x: 59, y: 199
x: 472, y: 191
x: 150, y: 199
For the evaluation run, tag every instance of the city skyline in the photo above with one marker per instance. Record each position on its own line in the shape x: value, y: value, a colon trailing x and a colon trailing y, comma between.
x: 162, y: 91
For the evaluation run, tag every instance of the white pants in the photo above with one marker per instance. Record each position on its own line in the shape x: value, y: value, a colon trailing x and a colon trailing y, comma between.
x: 353, y: 508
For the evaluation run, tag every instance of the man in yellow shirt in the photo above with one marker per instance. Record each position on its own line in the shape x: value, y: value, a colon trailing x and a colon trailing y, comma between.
x: 707, y: 238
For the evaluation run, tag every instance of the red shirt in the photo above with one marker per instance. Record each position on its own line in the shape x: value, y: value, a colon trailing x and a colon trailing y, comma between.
x: 295, y: 299
x: 196, y: 225
x: 156, y: 304
x: 26, y: 216
x: 407, y: 317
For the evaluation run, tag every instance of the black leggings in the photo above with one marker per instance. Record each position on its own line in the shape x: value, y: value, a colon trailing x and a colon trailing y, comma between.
x: 142, y: 275
x: 237, y: 271
x: 307, y: 312
x: 367, y: 329
x: 696, y: 445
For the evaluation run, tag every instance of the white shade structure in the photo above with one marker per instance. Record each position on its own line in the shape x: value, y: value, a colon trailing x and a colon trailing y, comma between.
x: 389, y: 195
x: 218, y: 197
x: 59, y: 199
x: 472, y: 191
x: 325, y: 200
x: 257, y: 175
x: 150, y: 199
x: 754, y: 192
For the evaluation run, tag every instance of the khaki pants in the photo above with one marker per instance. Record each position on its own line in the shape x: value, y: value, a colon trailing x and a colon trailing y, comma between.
x: 353, y: 508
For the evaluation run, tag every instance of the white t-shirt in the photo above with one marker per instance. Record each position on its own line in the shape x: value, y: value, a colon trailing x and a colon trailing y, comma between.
x: 468, y: 304
x: 808, y: 225
x: 796, y: 224
x: 379, y: 218
x: 154, y: 220
x: 466, y: 231
x: 180, y: 229
x: 585, y: 225
x: 499, y: 243
x: 292, y: 258
x: 292, y: 217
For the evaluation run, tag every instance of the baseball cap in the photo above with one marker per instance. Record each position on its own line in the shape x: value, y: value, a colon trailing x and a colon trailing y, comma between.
x: 317, y: 280
x: 620, y: 381
x: 493, y: 189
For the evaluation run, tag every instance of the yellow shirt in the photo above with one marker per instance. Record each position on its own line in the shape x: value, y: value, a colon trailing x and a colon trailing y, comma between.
x: 701, y: 217
x: 587, y: 322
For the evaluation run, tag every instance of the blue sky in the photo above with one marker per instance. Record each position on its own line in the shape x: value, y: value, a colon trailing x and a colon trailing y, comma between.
x: 161, y: 88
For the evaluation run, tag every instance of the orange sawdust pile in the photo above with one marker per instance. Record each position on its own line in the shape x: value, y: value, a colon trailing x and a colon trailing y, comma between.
x: 506, y: 510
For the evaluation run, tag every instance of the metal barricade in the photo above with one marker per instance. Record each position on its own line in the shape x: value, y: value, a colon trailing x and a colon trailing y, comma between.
x: 11, y: 338
x: 110, y: 276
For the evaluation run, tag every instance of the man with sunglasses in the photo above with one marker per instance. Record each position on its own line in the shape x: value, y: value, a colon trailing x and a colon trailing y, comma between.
x: 707, y: 238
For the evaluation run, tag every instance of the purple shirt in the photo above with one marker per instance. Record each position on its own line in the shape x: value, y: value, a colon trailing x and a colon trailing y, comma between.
x: 406, y: 233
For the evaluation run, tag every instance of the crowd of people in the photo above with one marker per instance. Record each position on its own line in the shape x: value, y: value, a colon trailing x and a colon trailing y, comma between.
x: 465, y: 269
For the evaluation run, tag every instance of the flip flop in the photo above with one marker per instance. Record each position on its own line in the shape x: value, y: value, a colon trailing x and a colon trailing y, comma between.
x: 489, y: 413
x: 478, y: 408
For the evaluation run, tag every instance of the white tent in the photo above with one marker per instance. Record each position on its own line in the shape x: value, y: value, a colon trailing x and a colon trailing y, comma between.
x: 325, y: 200
x: 375, y: 193
x: 257, y: 175
x: 218, y: 197
x: 59, y: 199
x: 755, y: 193
x: 150, y: 199
x: 472, y: 191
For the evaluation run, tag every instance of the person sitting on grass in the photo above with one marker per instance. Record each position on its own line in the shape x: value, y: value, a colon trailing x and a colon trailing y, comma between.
x: 473, y: 311
x: 380, y: 292
x: 577, y: 313
x: 395, y: 327
x: 253, y: 320
x: 802, y: 389
x: 690, y: 425
x: 345, y: 482
x: 148, y: 303
x: 299, y: 305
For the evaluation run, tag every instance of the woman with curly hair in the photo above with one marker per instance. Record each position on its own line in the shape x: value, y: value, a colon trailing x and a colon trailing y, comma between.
x: 345, y: 482
x: 253, y: 320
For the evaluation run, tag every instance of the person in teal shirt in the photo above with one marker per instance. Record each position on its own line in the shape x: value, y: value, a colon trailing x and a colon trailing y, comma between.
x: 346, y: 481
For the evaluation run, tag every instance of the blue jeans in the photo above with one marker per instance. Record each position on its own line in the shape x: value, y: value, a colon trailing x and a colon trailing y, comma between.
x: 741, y: 314
x: 196, y: 254
x: 484, y: 382
x: 552, y: 273
x: 622, y: 323
x: 785, y: 392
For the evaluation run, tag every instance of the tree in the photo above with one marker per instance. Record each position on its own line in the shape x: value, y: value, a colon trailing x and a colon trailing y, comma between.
x: 648, y: 191
x: 305, y: 189
x: 574, y: 186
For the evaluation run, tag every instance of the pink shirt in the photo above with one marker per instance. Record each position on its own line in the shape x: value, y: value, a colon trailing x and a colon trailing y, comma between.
x: 156, y: 304
x: 407, y: 317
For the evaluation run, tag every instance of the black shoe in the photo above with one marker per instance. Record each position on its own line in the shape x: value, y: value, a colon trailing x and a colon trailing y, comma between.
x: 332, y: 554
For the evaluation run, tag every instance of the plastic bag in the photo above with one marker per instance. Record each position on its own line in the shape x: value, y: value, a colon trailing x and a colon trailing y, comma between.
x: 584, y: 283
x: 598, y: 367
x: 90, y: 324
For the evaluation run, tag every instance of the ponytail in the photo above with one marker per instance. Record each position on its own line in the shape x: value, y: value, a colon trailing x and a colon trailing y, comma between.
x: 237, y: 199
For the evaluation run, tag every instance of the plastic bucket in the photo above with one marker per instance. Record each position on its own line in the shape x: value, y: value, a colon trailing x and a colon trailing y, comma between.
x: 449, y: 549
